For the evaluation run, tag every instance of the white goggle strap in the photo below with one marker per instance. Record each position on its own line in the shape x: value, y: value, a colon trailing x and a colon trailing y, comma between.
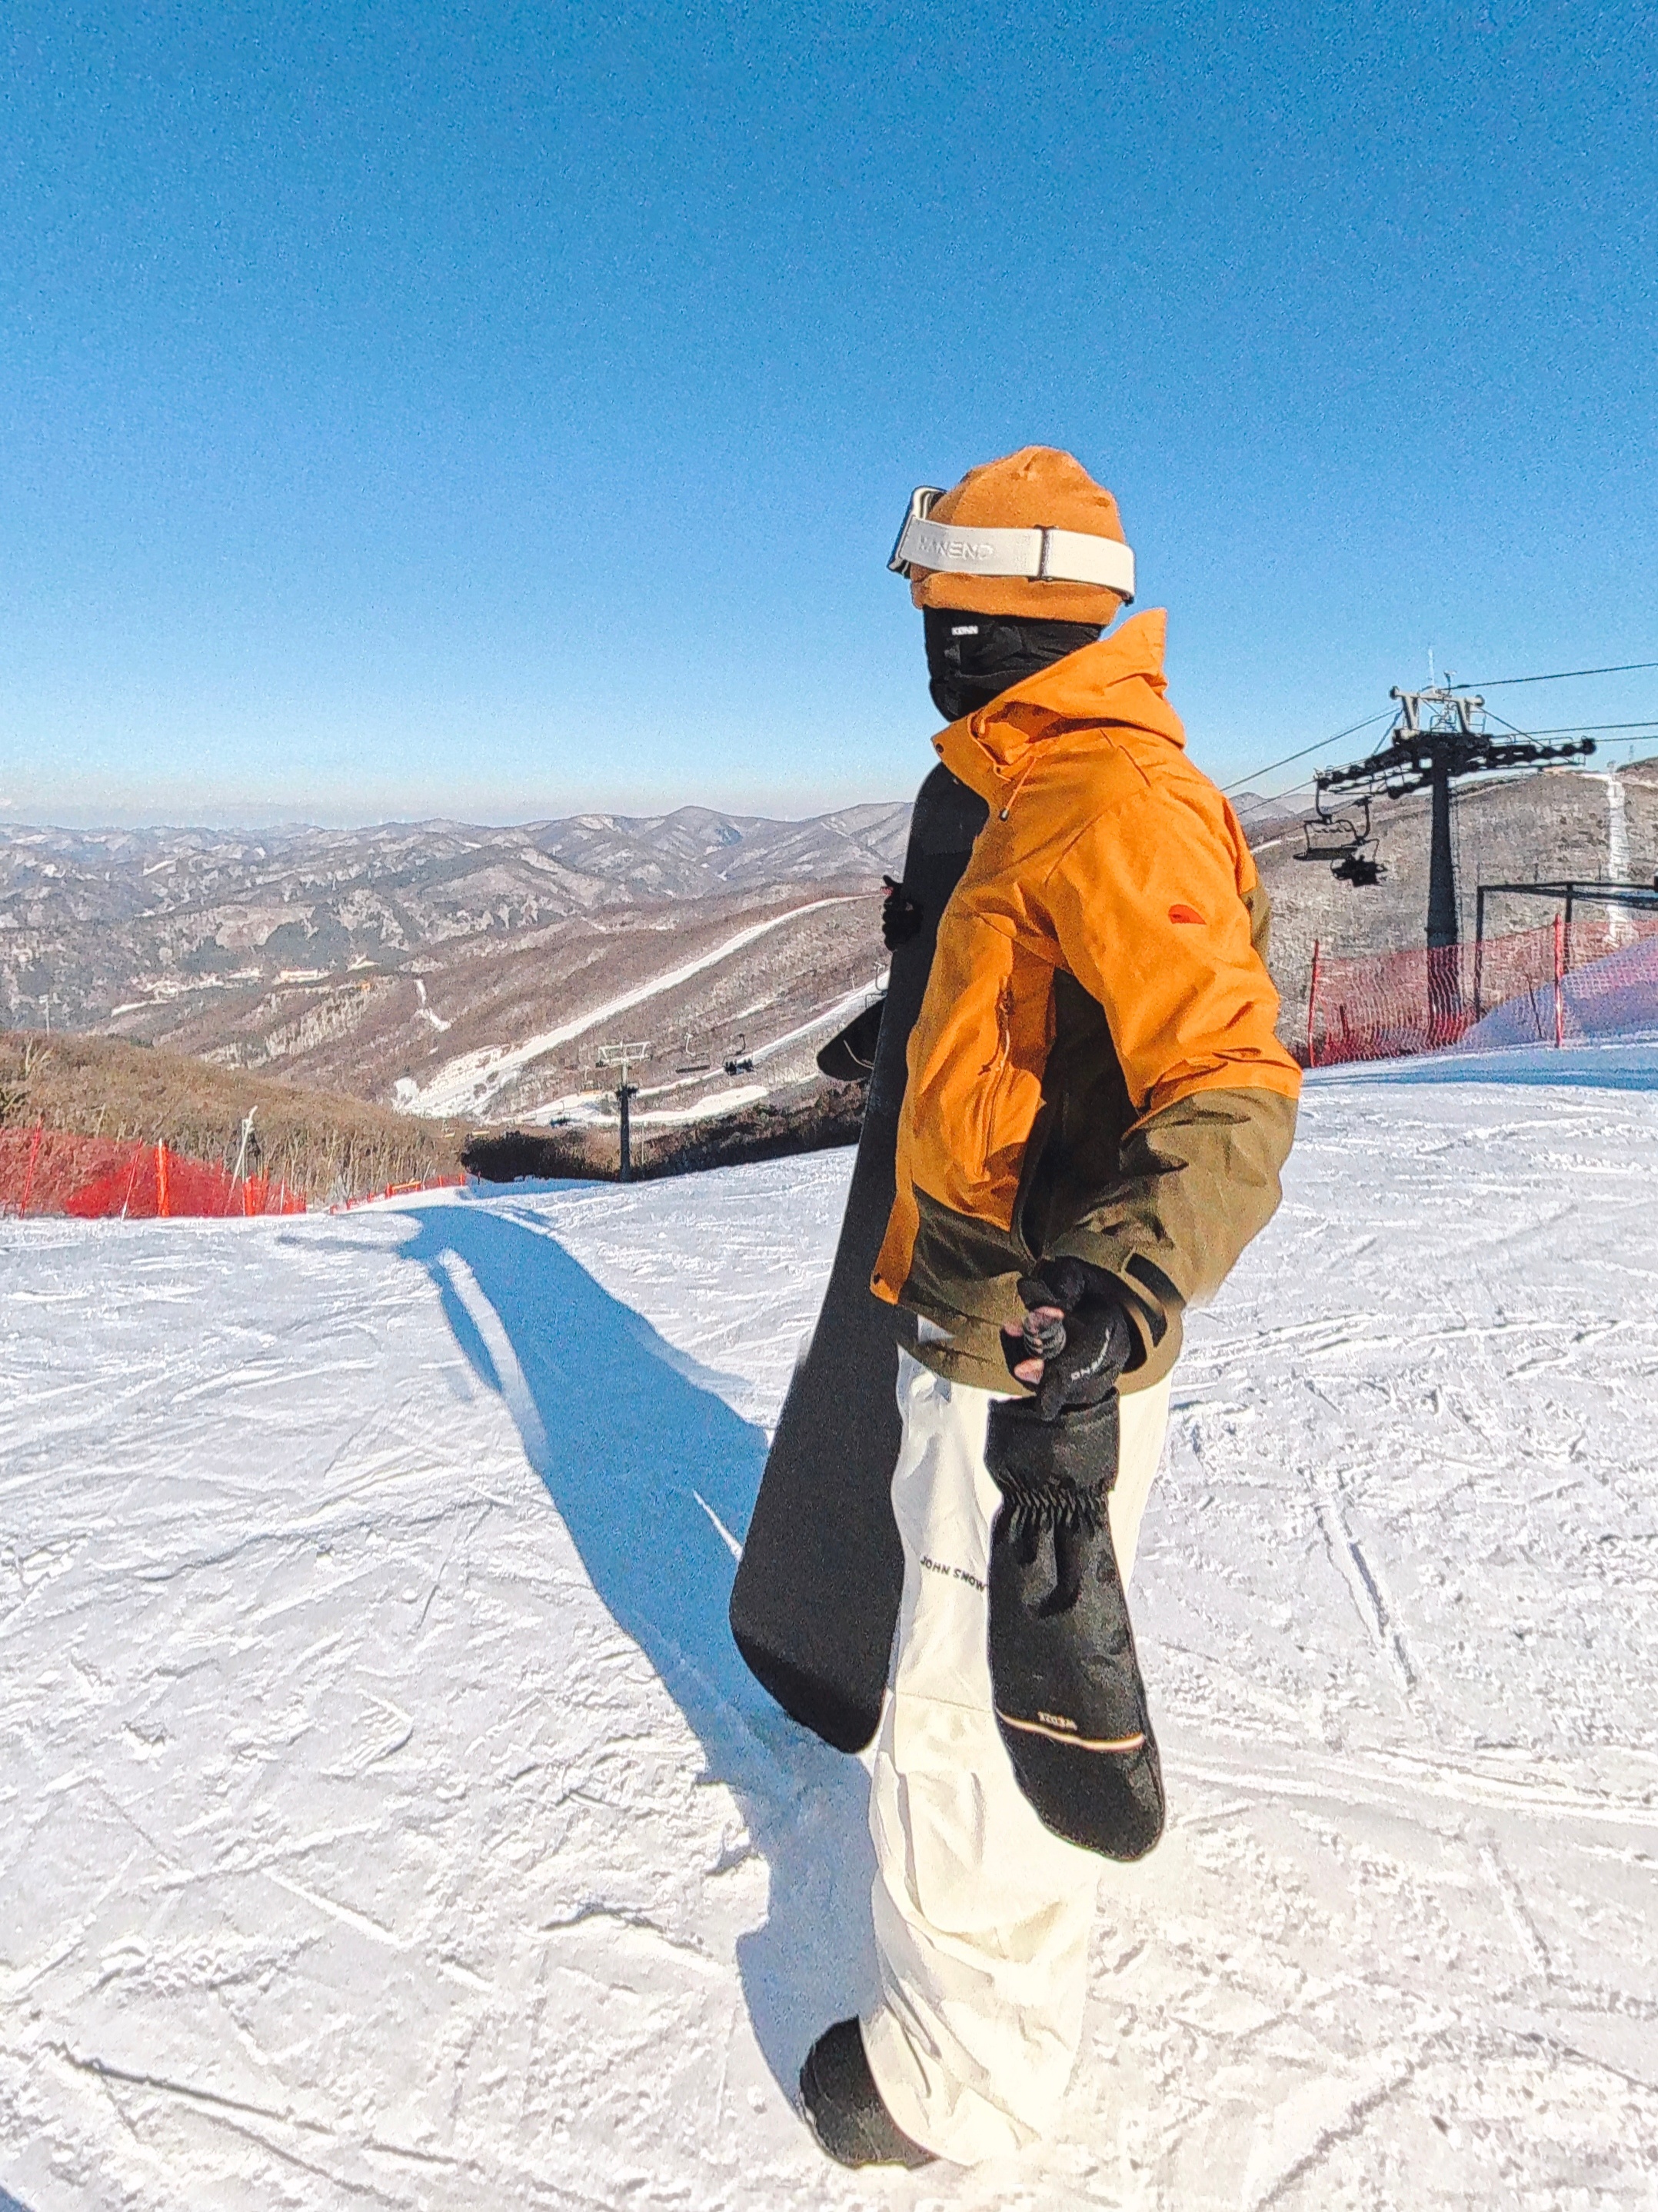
x: 1069, y: 556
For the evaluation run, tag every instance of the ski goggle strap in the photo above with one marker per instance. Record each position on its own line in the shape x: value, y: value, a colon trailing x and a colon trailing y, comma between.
x: 1069, y: 556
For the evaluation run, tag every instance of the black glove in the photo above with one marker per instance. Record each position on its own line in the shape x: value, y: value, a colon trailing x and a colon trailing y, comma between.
x: 900, y: 918
x: 1077, y: 1326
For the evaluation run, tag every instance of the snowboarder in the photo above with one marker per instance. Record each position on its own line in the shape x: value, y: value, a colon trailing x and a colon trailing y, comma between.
x: 1095, y: 1119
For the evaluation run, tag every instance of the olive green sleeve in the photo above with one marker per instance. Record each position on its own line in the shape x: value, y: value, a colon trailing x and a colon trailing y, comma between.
x: 1199, y: 1179
x: 1257, y: 901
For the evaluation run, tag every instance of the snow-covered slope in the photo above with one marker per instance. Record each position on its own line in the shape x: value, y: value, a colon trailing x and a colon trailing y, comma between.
x: 387, y: 1822
x: 471, y: 1083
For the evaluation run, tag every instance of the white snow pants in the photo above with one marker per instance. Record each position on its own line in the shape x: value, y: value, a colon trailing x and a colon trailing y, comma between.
x: 983, y: 1916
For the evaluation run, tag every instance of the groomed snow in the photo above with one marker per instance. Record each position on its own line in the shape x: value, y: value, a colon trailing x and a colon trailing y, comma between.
x: 387, y: 1822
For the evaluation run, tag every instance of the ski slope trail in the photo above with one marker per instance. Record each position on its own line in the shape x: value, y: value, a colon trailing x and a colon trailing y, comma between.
x: 384, y: 1819
x: 468, y: 1084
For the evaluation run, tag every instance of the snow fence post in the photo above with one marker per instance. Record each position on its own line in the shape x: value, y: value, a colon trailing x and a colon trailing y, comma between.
x: 1559, y: 974
x: 1312, y: 1003
x: 34, y: 1154
x: 242, y: 1158
x: 163, y: 1206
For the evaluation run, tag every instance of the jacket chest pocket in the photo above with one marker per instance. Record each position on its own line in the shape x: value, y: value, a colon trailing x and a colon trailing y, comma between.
x: 976, y: 1057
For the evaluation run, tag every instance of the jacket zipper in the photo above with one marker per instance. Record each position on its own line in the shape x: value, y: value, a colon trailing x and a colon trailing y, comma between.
x: 993, y: 1073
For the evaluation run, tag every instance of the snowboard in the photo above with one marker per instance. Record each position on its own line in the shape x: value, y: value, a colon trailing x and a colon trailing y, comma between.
x: 816, y: 1598
x: 1070, y: 1700
x: 849, y: 1056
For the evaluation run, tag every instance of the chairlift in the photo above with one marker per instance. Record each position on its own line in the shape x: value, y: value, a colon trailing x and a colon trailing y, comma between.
x: 689, y: 1064
x: 738, y: 1060
x: 1340, y: 840
x: 1356, y: 869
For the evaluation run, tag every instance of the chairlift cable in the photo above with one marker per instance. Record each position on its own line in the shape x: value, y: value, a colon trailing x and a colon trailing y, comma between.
x: 1577, y: 729
x: 1243, y: 782
x: 1559, y: 676
x: 1571, y: 729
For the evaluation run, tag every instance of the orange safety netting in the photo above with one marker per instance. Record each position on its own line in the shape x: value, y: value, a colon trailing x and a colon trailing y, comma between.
x: 1548, y: 986
x: 404, y: 1190
x: 97, y: 1178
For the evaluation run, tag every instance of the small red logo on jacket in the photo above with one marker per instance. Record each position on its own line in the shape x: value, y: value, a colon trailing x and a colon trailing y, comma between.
x: 1185, y: 914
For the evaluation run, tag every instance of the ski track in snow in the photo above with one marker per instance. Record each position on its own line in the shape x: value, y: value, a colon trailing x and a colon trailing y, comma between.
x: 387, y: 1822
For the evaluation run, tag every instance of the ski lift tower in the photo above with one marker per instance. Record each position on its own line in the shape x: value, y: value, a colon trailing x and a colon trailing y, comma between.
x: 618, y: 1056
x: 1438, y: 736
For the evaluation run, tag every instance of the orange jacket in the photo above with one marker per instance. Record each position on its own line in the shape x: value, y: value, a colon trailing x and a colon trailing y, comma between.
x: 1108, y: 859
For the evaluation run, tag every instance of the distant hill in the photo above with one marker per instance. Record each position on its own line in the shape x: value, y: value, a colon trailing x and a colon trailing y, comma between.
x: 374, y: 961
x: 329, y: 1147
x: 109, y: 921
x: 1261, y: 817
x: 454, y: 970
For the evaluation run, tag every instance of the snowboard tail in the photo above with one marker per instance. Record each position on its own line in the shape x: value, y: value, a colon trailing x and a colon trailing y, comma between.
x: 1071, y: 1705
x: 816, y: 1598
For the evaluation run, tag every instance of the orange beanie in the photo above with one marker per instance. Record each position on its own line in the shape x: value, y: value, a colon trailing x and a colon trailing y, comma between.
x: 1038, y: 487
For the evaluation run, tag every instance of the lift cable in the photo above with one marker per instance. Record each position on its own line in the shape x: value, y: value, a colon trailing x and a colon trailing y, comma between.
x: 1573, y: 729
x: 1560, y: 675
x: 1244, y: 782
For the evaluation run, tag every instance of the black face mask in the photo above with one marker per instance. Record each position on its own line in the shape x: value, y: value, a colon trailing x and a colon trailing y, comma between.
x: 972, y: 659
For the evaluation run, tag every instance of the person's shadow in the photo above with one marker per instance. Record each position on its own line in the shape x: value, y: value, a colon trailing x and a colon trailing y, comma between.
x: 655, y: 1477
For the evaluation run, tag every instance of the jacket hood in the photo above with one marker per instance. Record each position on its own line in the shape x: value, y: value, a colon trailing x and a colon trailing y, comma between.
x: 1118, y: 679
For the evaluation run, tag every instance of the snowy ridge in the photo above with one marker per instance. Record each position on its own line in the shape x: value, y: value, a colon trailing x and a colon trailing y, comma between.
x: 365, y: 960
x: 388, y: 1821
x: 596, y: 1105
x: 469, y: 1083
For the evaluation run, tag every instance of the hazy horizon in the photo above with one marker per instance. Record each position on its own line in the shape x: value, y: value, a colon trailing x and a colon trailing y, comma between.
x: 256, y: 822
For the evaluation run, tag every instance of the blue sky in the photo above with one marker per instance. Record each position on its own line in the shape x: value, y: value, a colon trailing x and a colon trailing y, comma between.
x: 501, y: 410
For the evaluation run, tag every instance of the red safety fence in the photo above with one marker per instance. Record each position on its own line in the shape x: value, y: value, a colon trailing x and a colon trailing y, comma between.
x: 97, y: 1178
x: 1552, y: 986
x: 404, y: 1190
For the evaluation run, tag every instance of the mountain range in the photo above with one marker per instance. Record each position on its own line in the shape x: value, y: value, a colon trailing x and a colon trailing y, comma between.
x: 369, y: 961
x: 493, y: 974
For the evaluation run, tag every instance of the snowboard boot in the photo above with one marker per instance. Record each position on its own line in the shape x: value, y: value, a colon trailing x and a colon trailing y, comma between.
x: 843, y: 2106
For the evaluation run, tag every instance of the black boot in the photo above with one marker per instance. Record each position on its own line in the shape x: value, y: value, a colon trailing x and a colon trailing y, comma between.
x: 844, y: 2108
